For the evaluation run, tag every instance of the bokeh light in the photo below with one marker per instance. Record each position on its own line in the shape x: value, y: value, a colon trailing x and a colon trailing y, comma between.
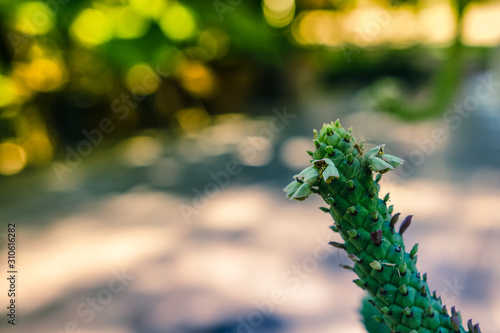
x: 130, y: 24
x: 92, y: 27
x: 197, y: 78
x: 177, y: 22
x: 12, y: 158
x: 193, y: 120
x: 278, y: 13
x: 141, y: 79
x: 34, y: 18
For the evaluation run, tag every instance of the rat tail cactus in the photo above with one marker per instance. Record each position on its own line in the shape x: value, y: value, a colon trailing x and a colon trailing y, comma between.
x: 343, y: 174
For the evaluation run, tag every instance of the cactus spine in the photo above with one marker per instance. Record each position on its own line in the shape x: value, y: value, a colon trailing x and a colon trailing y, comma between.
x: 342, y: 173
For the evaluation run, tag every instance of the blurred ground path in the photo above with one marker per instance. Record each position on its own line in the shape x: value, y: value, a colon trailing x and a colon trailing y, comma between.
x: 221, y: 272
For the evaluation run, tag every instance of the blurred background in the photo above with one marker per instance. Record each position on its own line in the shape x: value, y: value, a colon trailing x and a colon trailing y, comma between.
x: 144, y: 146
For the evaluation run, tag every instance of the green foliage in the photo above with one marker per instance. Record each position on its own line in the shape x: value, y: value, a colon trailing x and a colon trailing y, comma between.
x: 342, y: 173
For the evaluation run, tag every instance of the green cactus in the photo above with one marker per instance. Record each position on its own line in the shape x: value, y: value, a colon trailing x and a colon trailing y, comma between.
x: 343, y: 175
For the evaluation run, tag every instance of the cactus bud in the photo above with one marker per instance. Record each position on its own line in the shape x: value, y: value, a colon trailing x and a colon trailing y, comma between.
x: 455, y: 322
x: 359, y: 283
x: 386, y: 198
x: 310, y: 153
x: 291, y: 188
x: 477, y: 329
x: 352, y: 233
x: 350, y: 184
x: 379, y: 165
x: 386, y: 310
x: 317, y: 143
x: 354, y: 258
x: 374, y: 215
x: 376, y: 237
x: 329, y: 150
x: 376, y: 265
x: 414, y: 251
x: 403, y: 290
x: 470, y: 326
x: 330, y: 172
x: 349, y: 268
x: 394, y: 219
x: 352, y: 210
x: 349, y: 158
x: 407, y: 312
x: 334, y: 228
x: 444, y: 310
x: 372, y: 191
x: 330, y: 201
x: 394, y: 161
x: 405, y: 225
x: 430, y: 311
x: 303, y: 192
x: 377, y: 178
x: 378, y: 319
x: 315, y: 133
x: 337, y: 245
x: 424, y: 277
x: 402, y: 268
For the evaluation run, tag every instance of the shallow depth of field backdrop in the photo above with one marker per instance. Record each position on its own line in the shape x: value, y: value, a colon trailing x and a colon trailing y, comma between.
x: 144, y: 145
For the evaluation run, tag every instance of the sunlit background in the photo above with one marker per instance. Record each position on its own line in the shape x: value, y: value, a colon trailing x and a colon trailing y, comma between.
x: 155, y: 136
